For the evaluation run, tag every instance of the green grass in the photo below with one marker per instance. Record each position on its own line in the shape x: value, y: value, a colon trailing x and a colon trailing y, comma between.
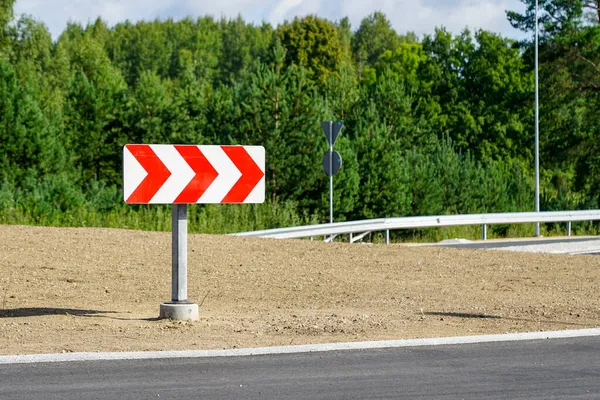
x: 212, y: 218
x: 222, y: 219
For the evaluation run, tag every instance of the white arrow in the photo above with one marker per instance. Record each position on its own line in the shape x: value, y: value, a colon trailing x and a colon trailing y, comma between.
x: 133, y: 173
x: 181, y: 174
x: 258, y: 193
x: 228, y: 174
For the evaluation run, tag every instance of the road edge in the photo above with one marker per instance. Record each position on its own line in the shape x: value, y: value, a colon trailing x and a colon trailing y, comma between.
x: 308, y: 348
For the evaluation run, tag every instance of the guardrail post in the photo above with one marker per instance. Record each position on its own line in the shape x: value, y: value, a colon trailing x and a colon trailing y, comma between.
x: 484, y: 232
x: 387, y: 236
x: 569, y: 228
x: 351, y: 237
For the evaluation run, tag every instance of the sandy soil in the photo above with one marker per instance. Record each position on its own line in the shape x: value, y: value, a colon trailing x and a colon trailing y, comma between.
x: 64, y: 290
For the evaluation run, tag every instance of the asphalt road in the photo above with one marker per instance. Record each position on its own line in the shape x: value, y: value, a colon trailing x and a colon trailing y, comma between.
x: 498, y: 244
x: 541, y: 369
x: 551, y: 245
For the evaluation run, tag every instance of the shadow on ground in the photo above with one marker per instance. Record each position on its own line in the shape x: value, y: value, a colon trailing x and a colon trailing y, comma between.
x: 41, y: 311
x: 461, y: 315
x: 486, y: 316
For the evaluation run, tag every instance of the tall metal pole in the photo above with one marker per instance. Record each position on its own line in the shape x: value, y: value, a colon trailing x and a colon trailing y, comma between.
x: 331, y: 172
x: 537, y: 122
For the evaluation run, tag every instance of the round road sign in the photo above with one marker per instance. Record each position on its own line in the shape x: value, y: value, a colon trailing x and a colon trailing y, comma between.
x: 332, y: 167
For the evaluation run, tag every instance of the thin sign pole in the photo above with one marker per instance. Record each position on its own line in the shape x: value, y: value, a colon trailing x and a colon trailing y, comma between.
x: 537, y: 123
x: 331, y: 172
x: 179, y: 251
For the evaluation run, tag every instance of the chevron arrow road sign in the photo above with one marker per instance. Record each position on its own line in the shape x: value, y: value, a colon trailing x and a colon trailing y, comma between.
x: 184, y: 174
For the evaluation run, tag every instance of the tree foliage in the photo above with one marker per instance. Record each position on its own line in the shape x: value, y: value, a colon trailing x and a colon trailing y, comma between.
x: 312, y: 43
x: 6, y: 15
x: 432, y: 125
x: 570, y: 94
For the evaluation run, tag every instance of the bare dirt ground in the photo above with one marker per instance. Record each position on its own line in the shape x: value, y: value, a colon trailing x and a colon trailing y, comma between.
x: 65, y: 290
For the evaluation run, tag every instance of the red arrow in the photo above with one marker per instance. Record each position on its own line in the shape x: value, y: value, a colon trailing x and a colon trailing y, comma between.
x: 157, y: 173
x: 205, y: 174
x: 251, y: 174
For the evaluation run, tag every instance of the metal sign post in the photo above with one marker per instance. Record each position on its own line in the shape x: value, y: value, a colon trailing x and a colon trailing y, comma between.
x: 332, y: 161
x: 179, y: 307
x: 537, y: 122
x: 179, y: 253
x: 331, y: 169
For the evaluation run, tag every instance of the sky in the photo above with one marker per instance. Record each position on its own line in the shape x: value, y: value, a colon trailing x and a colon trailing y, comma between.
x: 419, y: 16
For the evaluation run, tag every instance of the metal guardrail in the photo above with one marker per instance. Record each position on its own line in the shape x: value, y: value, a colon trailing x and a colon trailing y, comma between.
x: 362, y: 228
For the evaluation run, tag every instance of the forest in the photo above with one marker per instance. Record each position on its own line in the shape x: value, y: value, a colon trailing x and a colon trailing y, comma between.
x: 438, y: 124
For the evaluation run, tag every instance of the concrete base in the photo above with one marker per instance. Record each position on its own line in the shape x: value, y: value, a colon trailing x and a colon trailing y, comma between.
x: 180, y: 311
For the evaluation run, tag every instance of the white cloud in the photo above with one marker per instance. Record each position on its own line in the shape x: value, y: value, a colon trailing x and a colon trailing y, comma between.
x: 56, y: 13
x: 282, y: 9
x: 420, y: 16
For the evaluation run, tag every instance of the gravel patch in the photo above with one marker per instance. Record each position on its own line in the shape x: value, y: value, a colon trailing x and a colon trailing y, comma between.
x: 91, y: 290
